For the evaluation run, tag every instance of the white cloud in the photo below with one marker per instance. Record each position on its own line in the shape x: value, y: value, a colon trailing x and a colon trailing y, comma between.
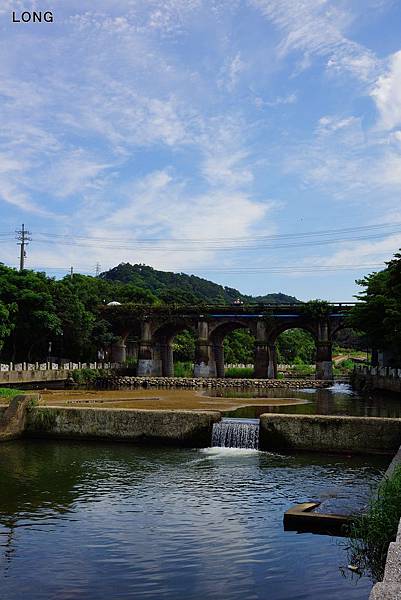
x: 387, y: 94
x: 364, y: 252
x: 279, y: 100
x: 231, y: 73
x: 315, y: 27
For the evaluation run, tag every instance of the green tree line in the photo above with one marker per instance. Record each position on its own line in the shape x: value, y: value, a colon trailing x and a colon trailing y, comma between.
x: 36, y: 309
x: 378, y: 313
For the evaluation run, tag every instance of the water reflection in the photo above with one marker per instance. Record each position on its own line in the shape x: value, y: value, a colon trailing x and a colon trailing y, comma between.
x: 97, y: 521
x: 337, y: 400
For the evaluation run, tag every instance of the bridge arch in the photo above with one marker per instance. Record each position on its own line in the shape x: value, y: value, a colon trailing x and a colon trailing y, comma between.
x: 218, y: 333
x: 278, y: 332
x: 163, y: 348
x: 160, y: 324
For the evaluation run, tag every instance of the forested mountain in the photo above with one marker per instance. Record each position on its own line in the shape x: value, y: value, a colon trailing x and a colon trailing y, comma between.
x: 183, y: 288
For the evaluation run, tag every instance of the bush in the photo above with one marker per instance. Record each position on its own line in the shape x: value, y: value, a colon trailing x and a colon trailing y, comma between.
x: 183, y: 369
x: 9, y: 393
x: 372, y: 532
x: 239, y: 373
x: 86, y: 376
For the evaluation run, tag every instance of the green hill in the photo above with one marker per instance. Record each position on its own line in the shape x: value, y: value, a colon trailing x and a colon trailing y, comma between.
x: 183, y: 288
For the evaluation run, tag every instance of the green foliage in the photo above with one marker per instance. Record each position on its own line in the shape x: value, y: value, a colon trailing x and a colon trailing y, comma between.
x: 373, y: 531
x: 183, y: 369
x: 36, y: 309
x: 9, y: 392
x: 86, y: 376
x: 302, y: 369
x: 295, y: 346
x: 184, y: 347
x: 316, y: 308
x: 379, y: 311
x: 6, y: 322
x: 239, y: 372
x: 239, y: 347
x: 183, y: 289
x: 345, y: 365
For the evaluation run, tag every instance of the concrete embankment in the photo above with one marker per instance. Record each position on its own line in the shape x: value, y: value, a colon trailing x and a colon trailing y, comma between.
x: 29, y: 377
x: 194, y: 428
x: 172, y: 427
x: 365, y: 435
x: 13, y: 417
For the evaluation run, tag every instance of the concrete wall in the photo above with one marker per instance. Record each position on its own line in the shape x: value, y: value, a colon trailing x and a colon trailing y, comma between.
x: 182, y: 428
x: 368, y: 378
x: 368, y: 382
x: 27, y: 377
x: 330, y: 433
x: 390, y: 587
x: 13, y: 417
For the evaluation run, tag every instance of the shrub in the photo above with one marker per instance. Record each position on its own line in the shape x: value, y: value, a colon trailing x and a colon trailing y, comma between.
x: 86, y: 376
x: 239, y: 372
x: 8, y: 393
x: 372, y: 532
x: 183, y: 369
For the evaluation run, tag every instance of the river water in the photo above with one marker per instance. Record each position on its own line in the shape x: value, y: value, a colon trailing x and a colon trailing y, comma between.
x: 339, y: 399
x: 114, y: 521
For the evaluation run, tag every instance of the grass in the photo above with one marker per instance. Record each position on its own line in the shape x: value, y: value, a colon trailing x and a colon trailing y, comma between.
x: 373, y: 531
x: 8, y: 393
x: 239, y: 372
x: 183, y: 369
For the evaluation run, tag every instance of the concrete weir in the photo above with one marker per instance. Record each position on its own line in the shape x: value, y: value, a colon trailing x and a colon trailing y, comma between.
x: 171, y: 427
x: 326, y: 433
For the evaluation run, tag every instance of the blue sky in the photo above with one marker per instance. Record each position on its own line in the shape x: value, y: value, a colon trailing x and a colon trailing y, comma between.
x: 220, y: 131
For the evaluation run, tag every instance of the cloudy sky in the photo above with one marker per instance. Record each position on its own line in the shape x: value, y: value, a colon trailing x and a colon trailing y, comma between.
x: 253, y: 142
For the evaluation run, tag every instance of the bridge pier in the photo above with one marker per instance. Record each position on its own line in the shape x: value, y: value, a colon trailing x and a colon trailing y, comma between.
x: 205, y: 365
x: 145, y: 352
x: 156, y: 329
x: 119, y: 351
x: 218, y: 351
x: 272, y: 366
x: 167, y: 359
x: 324, y: 363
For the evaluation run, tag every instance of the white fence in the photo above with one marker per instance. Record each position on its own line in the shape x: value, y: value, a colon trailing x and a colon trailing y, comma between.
x: 49, y: 366
x: 378, y: 371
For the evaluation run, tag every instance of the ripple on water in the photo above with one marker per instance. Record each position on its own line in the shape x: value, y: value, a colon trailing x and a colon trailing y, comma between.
x: 131, y: 522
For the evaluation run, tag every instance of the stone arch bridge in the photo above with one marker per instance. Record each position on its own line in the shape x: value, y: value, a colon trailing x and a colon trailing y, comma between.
x: 150, y: 332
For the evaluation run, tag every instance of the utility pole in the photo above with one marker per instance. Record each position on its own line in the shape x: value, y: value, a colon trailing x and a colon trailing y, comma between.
x: 97, y: 269
x: 23, y: 237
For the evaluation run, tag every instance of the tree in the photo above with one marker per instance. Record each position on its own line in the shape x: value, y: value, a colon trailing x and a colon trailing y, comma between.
x: 379, y: 312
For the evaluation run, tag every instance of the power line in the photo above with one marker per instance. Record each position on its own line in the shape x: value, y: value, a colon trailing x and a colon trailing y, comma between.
x: 202, y: 247
x: 243, y: 270
x: 228, y: 239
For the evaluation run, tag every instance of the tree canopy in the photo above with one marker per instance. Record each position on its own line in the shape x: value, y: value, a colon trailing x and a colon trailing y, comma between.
x: 36, y: 309
x: 379, y: 312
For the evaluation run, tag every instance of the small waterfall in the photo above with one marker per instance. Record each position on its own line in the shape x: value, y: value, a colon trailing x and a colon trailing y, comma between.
x: 236, y: 433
